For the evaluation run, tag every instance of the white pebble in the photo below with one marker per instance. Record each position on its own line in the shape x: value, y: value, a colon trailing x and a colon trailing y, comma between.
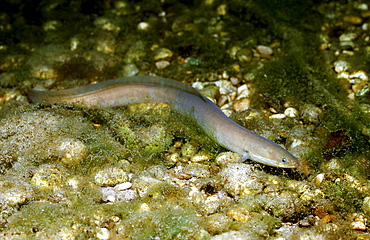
x: 277, y: 116
x: 102, y: 233
x: 162, y: 64
x: 123, y: 186
x: 264, y: 50
x: 291, y: 112
x: 340, y: 66
x: 347, y: 37
x: 143, y: 26
x: 359, y: 75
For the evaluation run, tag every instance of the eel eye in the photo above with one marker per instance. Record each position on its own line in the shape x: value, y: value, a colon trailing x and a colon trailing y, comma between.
x: 284, y: 160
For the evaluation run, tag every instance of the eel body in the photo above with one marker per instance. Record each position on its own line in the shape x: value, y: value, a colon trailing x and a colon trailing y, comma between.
x: 183, y: 99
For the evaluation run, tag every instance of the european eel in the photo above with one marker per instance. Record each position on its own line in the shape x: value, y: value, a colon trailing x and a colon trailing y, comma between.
x: 183, y: 99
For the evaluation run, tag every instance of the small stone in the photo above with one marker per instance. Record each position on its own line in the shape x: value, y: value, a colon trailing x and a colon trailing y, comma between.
x: 358, y: 75
x: 225, y: 87
x: 162, y: 64
x: 217, y: 223
x: 106, y: 24
x: 211, y: 205
x: 311, y: 113
x: 143, y: 26
x: 110, y: 176
x: 222, y: 9
x: 319, y: 179
x: 189, y: 149
x: 241, y: 104
x: 242, y: 179
x: 163, y: 54
x: 227, y: 157
x: 142, y: 183
x: 277, y: 116
x: 200, y: 158
x: 361, y: 6
x: 123, y: 186
x: 341, y: 66
x: 48, y: 176
x: 51, y: 25
x: 265, y: 50
x: 196, y: 170
x: 244, y: 55
x: 243, y: 91
x: 333, y: 164
x: 102, y: 233
x: 347, y: 45
x: 70, y: 151
x: 291, y: 112
x: 312, y: 195
x: 347, y: 37
x: 352, y: 19
x: 74, y: 43
x: 358, y: 225
x: 43, y: 72
x: 129, y: 70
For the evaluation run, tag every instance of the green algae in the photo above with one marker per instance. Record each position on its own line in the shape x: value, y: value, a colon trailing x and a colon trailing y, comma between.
x: 300, y: 77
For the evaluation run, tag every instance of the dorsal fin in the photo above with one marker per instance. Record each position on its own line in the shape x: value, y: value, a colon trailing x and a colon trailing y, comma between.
x: 34, y: 94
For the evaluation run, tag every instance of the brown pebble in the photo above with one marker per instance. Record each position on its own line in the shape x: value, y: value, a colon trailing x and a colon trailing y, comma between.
x: 353, y: 19
x: 241, y: 104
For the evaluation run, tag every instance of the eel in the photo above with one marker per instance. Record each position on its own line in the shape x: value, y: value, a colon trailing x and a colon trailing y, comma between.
x: 183, y: 99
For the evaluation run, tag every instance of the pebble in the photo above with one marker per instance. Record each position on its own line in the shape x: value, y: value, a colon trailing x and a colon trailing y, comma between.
x: 189, y: 149
x: 110, y: 176
x: 202, y: 157
x: 353, y: 19
x: 244, y: 55
x: 129, y: 70
x: 227, y: 157
x: 241, y: 104
x: 265, y: 50
x: 242, y: 179
x: 319, y: 179
x: 358, y: 75
x: 48, y: 176
x: 225, y: 87
x: 123, y: 186
x: 162, y: 64
x: 143, y: 26
x: 106, y: 24
x: 74, y: 43
x: 311, y: 113
x: 359, y: 222
x: 286, y: 207
x: 312, y: 195
x: 347, y: 37
x: 291, y: 112
x: 69, y: 150
x: 277, y: 116
x: 244, y: 91
x: 14, y: 193
x: 341, y: 66
x: 217, y: 223
x: 111, y: 194
x: 103, y: 233
x: 43, y: 72
x: 142, y: 183
x: 163, y: 54
x: 197, y: 170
